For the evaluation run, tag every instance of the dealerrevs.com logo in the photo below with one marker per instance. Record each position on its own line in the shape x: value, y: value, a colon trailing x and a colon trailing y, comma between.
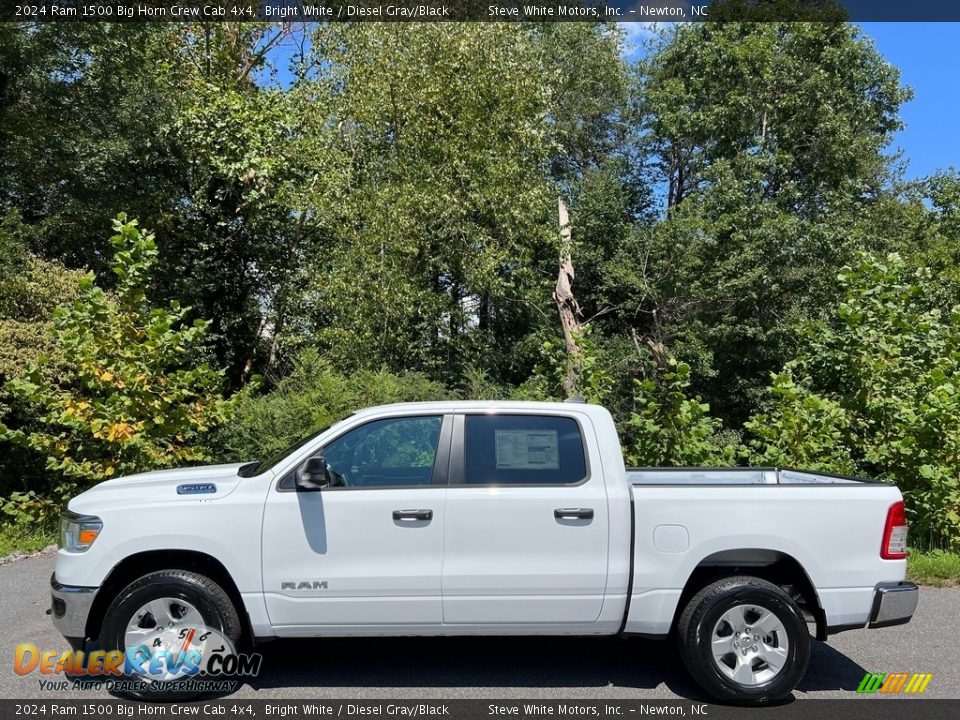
x: 195, y: 658
x: 895, y: 683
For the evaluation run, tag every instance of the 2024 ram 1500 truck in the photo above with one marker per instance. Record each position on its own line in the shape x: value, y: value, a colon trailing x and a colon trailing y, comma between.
x: 490, y: 518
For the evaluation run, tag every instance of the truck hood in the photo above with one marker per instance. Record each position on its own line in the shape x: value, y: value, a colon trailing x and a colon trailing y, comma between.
x: 208, y: 482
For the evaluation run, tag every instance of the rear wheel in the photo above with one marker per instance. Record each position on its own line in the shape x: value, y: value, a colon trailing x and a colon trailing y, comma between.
x: 744, y: 640
x: 168, y: 611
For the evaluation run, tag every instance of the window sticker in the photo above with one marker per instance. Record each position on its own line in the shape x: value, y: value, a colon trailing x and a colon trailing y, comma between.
x: 527, y: 450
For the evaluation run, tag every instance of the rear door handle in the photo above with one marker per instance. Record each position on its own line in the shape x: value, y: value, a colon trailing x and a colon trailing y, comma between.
x: 413, y: 514
x: 573, y: 513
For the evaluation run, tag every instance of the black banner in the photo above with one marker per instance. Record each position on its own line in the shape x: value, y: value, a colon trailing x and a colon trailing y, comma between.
x: 645, y: 11
x: 413, y: 709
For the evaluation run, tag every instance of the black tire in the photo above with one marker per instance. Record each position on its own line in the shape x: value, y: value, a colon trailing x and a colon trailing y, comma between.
x: 214, y: 604
x: 695, y: 633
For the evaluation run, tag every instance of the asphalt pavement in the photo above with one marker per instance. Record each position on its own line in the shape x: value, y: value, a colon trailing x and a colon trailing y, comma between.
x: 541, y: 668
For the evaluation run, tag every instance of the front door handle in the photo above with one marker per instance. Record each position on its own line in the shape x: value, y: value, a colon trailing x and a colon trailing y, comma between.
x: 573, y: 513
x: 413, y: 514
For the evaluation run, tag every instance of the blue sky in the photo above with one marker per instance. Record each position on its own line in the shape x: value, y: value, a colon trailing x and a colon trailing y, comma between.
x: 928, y: 56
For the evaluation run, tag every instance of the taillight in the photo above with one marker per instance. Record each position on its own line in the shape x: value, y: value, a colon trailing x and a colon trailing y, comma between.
x: 894, y: 546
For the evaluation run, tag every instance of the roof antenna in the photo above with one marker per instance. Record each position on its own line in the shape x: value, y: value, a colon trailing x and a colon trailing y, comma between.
x: 576, y: 399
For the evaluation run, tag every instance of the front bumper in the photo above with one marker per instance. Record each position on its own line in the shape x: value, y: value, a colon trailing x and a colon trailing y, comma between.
x: 70, y: 607
x: 894, y: 604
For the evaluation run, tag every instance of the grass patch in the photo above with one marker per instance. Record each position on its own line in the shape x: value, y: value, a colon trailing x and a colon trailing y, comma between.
x: 15, y: 538
x: 934, y: 567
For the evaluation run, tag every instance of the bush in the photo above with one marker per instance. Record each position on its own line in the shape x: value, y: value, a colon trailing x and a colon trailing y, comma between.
x: 134, y: 394
x: 30, y: 290
x: 667, y: 428
x: 312, y: 397
x: 877, y: 391
x: 31, y: 511
x: 803, y: 430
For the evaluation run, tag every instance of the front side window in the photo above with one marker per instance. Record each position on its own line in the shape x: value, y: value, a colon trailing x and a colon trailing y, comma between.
x: 395, y: 452
x: 523, y: 450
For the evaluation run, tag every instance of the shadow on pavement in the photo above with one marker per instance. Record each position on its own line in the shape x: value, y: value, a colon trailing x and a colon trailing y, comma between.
x: 562, y: 662
x: 535, y: 662
x: 830, y: 669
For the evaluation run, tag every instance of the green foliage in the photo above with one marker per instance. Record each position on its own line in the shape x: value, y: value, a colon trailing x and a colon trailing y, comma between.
x: 136, y: 395
x: 30, y: 289
x: 590, y: 366
x: 79, y: 141
x: 767, y: 138
x: 170, y: 125
x: 311, y: 397
x: 232, y: 251
x: 428, y: 257
x: 877, y: 390
x: 805, y: 430
x: 34, y: 510
x: 669, y: 428
x: 478, y: 385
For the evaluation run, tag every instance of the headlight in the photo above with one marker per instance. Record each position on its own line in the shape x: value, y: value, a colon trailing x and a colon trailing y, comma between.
x: 77, y: 532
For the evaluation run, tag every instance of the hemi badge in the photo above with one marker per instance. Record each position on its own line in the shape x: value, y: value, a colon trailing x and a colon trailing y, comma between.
x: 196, y: 489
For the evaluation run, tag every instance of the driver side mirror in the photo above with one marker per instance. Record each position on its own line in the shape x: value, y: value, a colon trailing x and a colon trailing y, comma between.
x: 313, y: 475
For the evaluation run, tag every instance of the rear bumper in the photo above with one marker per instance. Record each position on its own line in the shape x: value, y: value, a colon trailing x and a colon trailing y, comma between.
x: 894, y: 604
x: 70, y: 607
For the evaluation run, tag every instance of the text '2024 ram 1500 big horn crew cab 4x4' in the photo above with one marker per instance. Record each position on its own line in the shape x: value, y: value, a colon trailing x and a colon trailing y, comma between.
x: 490, y: 518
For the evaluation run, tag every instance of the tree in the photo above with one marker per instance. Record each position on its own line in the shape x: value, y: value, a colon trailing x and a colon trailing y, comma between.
x: 567, y: 306
x: 137, y: 394
x: 428, y: 259
x: 80, y: 111
x: 768, y: 139
x: 30, y: 289
x: 175, y: 125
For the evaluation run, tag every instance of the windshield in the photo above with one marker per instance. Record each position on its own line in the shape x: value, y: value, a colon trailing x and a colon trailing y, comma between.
x: 261, y: 466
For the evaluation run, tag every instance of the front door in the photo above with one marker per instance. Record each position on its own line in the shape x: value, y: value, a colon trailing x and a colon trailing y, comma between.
x: 364, y: 552
x: 525, y: 531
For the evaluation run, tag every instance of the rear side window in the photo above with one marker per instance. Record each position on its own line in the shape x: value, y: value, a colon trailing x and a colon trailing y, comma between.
x: 523, y: 450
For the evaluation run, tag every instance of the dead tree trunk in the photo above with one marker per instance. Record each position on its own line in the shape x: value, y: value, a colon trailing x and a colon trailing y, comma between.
x: 567, y: 304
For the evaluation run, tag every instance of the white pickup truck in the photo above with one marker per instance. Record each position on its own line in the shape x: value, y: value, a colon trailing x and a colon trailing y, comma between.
x: 490, y: 518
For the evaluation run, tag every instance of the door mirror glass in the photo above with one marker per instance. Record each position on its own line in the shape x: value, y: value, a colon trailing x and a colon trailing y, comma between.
x: 313, y: 475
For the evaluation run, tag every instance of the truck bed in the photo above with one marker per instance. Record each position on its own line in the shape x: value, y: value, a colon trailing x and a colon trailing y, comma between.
x: 831, y: 526
x: 736, y: 476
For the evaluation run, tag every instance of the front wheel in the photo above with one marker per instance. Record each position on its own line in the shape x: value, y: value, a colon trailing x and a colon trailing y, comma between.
x: 744, y: 640
x: 168, y: 614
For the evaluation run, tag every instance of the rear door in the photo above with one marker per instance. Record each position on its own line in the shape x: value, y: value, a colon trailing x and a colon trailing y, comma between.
x: 525, y: 532
x: 366, y: 551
